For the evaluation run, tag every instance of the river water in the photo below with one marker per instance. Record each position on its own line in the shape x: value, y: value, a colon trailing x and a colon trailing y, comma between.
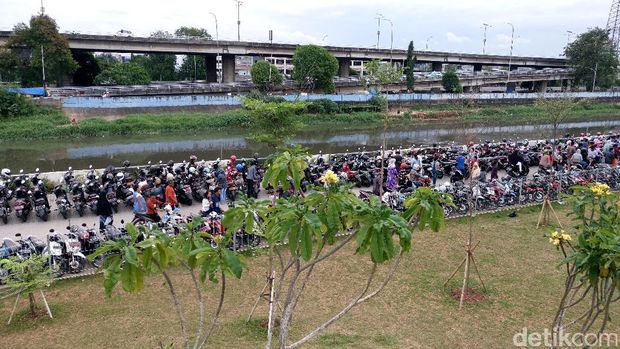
x: 57, y: 155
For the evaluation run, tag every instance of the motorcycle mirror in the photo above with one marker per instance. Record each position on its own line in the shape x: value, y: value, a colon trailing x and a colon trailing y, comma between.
x: 51, y: 230
x: 70, y: 168
x: 149, y: 162
x: 90, y: 166
x: 36, y: 169
x: 83, y: 224
x: 21, y: 171
x: 18, y: 235
x: 29, y: 192
x: 122, y: 221
x: 68, y: 227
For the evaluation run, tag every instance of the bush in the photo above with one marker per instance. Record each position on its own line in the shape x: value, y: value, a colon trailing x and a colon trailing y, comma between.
x: 378, y: 102
x: 13, y: 104
x: 323, y: 106
x: 124, y: 74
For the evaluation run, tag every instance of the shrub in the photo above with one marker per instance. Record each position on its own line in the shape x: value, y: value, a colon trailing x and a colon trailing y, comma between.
x: 378, y: 102
x: 13, y: 104
x: 323, y: 106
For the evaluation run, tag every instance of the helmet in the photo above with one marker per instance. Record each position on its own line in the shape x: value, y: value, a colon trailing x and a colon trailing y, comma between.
x: 239, y: 167
x: 193, y: 158
x: 169, y: 177
x: 416, y: 167
x: 126, y: 163
x: 192, y: 170
x: 120, y: 176
x: 109, y: 176
x: 233, y: 158
x: 170, y: 163
x: 5, y: 172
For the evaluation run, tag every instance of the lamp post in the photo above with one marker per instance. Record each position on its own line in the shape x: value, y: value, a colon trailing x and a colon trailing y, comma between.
x: 239, y: 3
x: 595, y: 71
x: 391, y: 37
x: 379, y: 16
x: 427, y: 40
x: 484, y: 38
x: 217, y: 43
x: 568, y: 35
x: 512, y: 41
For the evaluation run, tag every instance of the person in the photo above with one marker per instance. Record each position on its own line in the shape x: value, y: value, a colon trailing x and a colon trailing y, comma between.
x: 435, y: 168
x: 215, y: 200
x: 157, y: 190
x: 545, y: 160
x: 222, y: 183
x: 576, y: 159
x: 475, y: 171
x: 376, y: 182
x: 171, y: 196
x: 416, y: 159
x: 206, y: 205
x: 251, y: 179
x: 104, y: 210
x: 151, y: 208
x: 460, y: 163
x: 494, y: 169
x: 139, y: 203
x: 392, y: 175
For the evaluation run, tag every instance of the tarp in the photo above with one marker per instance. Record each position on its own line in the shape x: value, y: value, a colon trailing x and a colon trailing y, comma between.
x: 32, y: 91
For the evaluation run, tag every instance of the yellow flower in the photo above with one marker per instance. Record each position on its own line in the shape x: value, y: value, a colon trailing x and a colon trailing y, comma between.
x: 329, y: 178
x: 600, y: 189
x: 556, y: 241
x: 554, y: 234
x: 566, y: 237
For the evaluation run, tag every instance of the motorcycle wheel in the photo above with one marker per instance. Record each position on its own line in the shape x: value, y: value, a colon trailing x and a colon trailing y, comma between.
x: 5, y: 219
x: 539, y: 197
x: 80, y: 211
x: 24, y: 217
x: 64, y: 214
x: 254, y: 240
x: 115, y: 208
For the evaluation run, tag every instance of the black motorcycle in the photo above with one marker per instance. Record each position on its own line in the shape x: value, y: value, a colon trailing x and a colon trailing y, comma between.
x: 62, y: 201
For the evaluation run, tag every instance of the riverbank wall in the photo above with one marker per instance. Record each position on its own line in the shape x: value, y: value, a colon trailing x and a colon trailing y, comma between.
x: 80, y: 108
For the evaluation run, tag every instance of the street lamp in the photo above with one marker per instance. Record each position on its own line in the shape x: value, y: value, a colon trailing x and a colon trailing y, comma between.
x: 217, y: 43
x: 391, y: 37
x: 484, y: 38
x: 239, y: 3
x: 568, y: 35
x: 323, y: 39
x: 427, y: 40
x: 512, y: 41
x: 594, y: 70
x: 379, y: 16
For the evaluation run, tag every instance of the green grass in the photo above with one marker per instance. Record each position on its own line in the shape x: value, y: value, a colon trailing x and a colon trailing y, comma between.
x: 51, y: 124
x: 516, y: 261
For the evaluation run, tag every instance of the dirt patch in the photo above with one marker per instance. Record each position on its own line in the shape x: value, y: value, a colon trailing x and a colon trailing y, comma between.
x: 471, y: 295
x: 265, y: 323
x: 38, y: 313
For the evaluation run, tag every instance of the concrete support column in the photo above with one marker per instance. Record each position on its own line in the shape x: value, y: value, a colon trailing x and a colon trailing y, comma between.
x: 211, y: 67
x: 228, y: 68
x: 478, y: 67
x: 437, y: 66
x: 344, y: 65
x: 540, y: 86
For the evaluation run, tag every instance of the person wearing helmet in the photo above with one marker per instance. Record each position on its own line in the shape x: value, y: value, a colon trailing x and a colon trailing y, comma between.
x: 171, y: 196
x: 158, y: 189
x: 192, y: 160
x: 5, y: 173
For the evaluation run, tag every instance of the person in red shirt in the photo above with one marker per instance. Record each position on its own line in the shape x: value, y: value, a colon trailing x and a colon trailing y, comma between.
x: 151, y: 208
x: 171, y: 196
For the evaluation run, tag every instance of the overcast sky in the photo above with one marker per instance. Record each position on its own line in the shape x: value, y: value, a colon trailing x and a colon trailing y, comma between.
x: 454, y: 25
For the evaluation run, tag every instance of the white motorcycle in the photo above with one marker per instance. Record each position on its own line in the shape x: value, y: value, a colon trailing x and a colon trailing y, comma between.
x: 65, y: 253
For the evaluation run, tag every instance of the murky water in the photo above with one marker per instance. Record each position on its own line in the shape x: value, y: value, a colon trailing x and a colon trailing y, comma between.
x: 54, y: 155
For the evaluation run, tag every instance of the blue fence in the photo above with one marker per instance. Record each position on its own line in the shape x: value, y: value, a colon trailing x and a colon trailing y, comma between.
x: 210, y: 100
x: 32, y: 91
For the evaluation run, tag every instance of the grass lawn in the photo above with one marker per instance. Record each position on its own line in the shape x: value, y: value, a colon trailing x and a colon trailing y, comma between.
x: 516, y: 261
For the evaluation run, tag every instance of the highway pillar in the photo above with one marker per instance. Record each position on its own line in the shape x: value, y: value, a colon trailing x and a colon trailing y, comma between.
x: 437, y: 66
x: 344, y: 66
x: 211, y: 67
x: 540, y: 86
x: 478, y: 67
x: 228, y: 68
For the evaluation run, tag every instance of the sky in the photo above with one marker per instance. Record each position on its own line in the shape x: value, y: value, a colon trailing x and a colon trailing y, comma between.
x: 444, y: 25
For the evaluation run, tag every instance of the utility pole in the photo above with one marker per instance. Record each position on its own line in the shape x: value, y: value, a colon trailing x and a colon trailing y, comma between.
x: 594, y: 77
x: 427, y: 40
x: 379, y: 16
x: 43, y: 71
x: 217, y: 43
x: 42, y: 8
x: 391, y: 37
x: 484, y: 38
x: 239, y: 3
x: 512, y: 41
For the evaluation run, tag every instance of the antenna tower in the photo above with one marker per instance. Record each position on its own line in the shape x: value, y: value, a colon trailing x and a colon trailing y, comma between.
x: 613, y: 23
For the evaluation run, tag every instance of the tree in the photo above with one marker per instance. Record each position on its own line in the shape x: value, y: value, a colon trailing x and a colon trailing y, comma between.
x: 383, y: 73
x: 265, y: 75
x: 273, y: 122
x: 409, y: 66
x: 311, y: 225
x: 161, y: 66
x: 88, y: 68
x: 193, y: 67
x: 451, y: 83
x: 26, y: 45
x: 8, y: 65
x: 129, y: 73
x: 593, y: 51
x: 315, y: 67
x: 199, y: 255
x: 592, y: 262
x: 27, y: 276
x: 106, y: 60
x: 557, y: 109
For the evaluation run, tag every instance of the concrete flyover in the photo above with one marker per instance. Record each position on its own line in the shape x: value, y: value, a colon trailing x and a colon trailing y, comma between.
x: 112, y: 43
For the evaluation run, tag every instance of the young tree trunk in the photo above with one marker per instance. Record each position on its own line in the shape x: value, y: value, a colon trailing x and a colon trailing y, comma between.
x: 33, y: 304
